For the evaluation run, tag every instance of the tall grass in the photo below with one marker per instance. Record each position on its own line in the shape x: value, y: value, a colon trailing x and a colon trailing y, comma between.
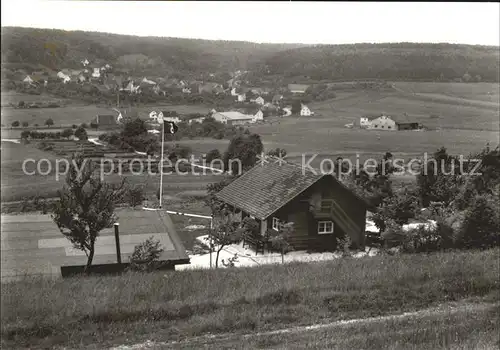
x: 37, y: 312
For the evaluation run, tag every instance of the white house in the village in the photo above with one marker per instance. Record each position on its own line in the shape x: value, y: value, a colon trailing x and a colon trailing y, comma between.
x: 96, y: 73
x: 233, y: 92
x: 242, y: 97
x: 196, y: 120
x: 186, y: 90
x: 28, y: 80
x: 233, y: 118
x: 305, y: 111
x: 147, y: 81
x: 64, y: 77
x: 259, y: 100
x: 258, y: 117
x: 288, y: 111
x: 85, y: 62
x: 382, y: 122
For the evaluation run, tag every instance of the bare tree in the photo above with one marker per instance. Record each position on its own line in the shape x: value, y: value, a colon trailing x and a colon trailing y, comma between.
x: 85, y: 206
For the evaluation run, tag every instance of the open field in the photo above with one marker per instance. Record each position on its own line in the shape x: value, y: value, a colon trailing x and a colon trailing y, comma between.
x: 488, y: 92
x: 183, y: 304
x: 79, y: 113
x: 16, y: 97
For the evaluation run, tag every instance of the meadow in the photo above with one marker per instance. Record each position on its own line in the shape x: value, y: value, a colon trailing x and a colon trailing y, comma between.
x: 173, y: 306
x: 74, y: 112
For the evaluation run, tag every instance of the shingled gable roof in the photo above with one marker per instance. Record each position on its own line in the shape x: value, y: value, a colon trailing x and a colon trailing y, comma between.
x: 264, y: 189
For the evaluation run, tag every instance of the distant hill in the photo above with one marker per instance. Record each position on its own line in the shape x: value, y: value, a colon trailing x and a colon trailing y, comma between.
x: 165, y: 56
x: 393, y: 61
x: 56, y: 49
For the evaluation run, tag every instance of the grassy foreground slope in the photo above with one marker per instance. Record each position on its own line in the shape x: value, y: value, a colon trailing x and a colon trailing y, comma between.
x: 166, y: 307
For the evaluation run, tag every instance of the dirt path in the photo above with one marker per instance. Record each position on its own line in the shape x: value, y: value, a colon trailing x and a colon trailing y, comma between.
x: 448, y: 309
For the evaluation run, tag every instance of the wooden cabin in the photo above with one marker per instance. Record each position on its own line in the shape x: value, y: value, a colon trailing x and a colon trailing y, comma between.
x: 320, y: 206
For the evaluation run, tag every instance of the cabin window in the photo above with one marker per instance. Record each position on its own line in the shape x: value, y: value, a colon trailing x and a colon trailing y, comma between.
x: 276, y: 224
x: 326, y: 206
x: 325, y: 227
x: 388, y: 127
x: 376, y: 125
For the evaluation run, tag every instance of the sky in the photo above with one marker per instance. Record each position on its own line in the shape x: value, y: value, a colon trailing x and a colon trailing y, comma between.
x: 272, y: 22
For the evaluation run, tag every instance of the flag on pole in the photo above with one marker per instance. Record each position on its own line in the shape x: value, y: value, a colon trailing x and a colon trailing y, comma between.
x: 160, y: 118
x: 171, y: 127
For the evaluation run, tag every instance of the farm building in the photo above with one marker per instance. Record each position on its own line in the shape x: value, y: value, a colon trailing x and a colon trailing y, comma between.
x: 305, y: 111
x: 242, y: 97
x: 298, y: 88
x: 33, y: 245
x: 408, y: 126
x: 28, y: 80
x: 106, y: 121
x: 259, y: 100
x: 381, y: 122
x: 233, y: 118
x: 321, y: 208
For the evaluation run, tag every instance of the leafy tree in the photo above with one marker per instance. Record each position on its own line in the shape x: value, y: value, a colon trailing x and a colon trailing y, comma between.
x: 135, y: 196
x: 85, y: 206
x: 21, y: 104
x: 279, y: 240
x: 25, y: 134
x: 25, y: 124
x: 49, y: 122
x: 74, y: 126
x: 212, y: 155
x: 398, y: 207
x: 481, y: 226
x: 226, y: 231
x: 134, y: 127
x: 243, y: 149
x: 212, y: 189
x: 277, y: 152
x: 15, y: 124
x: 67, y: 133
x: 85, y: 126
x: 440, y: 179
x: 81, y: 133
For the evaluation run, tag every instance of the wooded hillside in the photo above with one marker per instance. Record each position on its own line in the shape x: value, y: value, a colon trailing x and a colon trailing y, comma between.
x: 56, y: 49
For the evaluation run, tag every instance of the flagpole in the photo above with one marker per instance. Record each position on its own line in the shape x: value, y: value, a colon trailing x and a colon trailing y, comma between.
x: 161, y: 161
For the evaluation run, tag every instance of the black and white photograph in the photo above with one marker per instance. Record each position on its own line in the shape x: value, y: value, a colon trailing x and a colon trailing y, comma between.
x: 250, y: 175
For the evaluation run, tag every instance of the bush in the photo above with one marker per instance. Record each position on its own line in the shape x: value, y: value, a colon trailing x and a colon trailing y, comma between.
x: 85, y: 126
x: 49, y: 122
x: 74, y: 126
x: 135, y: 196
x: 213, y: 154
x: 81, y: 134
x: 25, y: 124
x: 67, y: 133
x: 15, y: 124
x: 481, y: 224
x: 146, y: 256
